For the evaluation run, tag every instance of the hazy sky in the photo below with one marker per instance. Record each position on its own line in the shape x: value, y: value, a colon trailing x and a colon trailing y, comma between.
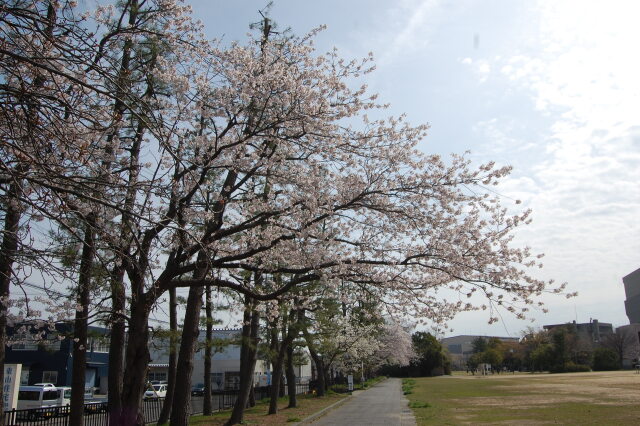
x: 551, y: 88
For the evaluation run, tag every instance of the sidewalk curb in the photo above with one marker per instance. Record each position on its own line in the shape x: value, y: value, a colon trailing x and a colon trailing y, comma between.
x: 315, y: 416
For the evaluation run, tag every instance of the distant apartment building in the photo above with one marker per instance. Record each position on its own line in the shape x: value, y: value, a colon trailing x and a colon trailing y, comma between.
x: 461, y: 347
x: 632, y: 290
x: 592, y: 331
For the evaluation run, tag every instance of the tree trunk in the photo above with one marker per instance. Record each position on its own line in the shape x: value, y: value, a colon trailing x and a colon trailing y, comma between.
x: 328, y: 377
x: 248, y: 354
x: 252, y: 396
x: 291, y: 378
x: 136, y: 362
x: 7, y: 258
x: 117, y: 400
x: 118, y: 296
x: 116, y: 347
x: 277, y: 383
x: 274, y: 347
x: 321, y: 387
x: 173, y: 341
x: 206, y: 404
x: 181, y: 407
x: 317, y: 360
x: 282, y: 390
x: 80, y: 327
x: 276, y: 378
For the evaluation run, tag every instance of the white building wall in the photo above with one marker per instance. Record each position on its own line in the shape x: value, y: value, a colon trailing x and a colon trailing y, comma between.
x: 224, y: 365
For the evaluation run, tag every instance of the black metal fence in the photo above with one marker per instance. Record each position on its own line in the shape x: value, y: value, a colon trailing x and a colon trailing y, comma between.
x: 95, y: 413
x: 262, y: 392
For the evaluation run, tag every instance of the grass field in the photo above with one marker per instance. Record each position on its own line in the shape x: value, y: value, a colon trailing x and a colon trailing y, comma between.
x: 604, y: 398
x: 307, y: 405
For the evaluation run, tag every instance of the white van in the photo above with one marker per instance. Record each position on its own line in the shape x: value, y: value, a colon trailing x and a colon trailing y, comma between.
x: 64, y: 397
x: 45, y: 385
x: 43, y: 396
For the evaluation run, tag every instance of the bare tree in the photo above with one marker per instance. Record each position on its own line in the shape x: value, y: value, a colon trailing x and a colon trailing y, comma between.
x: 622, y: 342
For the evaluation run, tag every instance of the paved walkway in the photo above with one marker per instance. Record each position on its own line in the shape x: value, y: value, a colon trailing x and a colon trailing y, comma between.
x: 383, y: 404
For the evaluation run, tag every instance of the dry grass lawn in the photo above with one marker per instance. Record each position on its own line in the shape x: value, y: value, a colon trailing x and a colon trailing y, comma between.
x: 533, y: 399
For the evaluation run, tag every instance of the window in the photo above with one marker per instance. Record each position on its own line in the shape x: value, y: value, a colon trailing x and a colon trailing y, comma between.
x: 159, y: 388
x: 50, y: 395
x: 217, y: 379
x: 24, y: 347
x: 51, y: 343
x: 23, y: 342
x: 29, y: 395
x: 232, y: 380
x: 24, y: 376
x: 158, y: 376
x: 50, y: 377
x: 67, y: 394
x: 100, y: 344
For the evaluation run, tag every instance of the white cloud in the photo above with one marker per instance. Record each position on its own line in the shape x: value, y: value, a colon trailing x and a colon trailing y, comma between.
x: 408, y: 27
x: 480, y: 67
x: 585, y: 192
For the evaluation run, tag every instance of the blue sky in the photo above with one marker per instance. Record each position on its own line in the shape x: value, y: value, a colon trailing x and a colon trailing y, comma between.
x: 550, y: 88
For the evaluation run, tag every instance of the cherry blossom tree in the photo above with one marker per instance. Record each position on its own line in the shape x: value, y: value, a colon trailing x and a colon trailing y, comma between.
x: 393, y: 347
x: 37, y: 102
x: 201, y: 165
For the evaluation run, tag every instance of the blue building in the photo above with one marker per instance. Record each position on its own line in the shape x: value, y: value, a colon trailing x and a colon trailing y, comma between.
x: 49, y: 359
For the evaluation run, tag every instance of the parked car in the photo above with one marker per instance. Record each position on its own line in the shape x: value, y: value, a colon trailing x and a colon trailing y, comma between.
x: 198, y: 390
x: 156, y: 391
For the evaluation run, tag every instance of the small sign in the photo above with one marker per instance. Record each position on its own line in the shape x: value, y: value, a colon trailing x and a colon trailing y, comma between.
x: 350, y: 381
x: 11, y: 385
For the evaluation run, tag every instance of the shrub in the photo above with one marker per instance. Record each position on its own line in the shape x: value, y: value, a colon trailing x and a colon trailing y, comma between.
x: 605, y: 359
x: 570, y: 367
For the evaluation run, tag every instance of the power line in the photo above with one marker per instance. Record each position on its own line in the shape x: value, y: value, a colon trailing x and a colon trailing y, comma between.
x: 57, y: 293
x: 43, y: 288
